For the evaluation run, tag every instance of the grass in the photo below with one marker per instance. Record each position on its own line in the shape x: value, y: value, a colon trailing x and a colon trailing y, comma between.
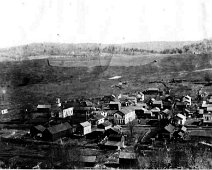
x: 34, y: 81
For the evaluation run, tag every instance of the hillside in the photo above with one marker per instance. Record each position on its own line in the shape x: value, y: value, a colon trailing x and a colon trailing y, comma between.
x: 35, y: 81
x: 45, y: 50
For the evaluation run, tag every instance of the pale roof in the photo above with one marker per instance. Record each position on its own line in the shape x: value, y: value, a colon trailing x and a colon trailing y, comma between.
x: 85, y: 124
x: 127, y: 155
x: 43, y: 106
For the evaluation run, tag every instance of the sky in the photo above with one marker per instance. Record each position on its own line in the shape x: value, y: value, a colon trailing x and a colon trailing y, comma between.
x: 103, y: 21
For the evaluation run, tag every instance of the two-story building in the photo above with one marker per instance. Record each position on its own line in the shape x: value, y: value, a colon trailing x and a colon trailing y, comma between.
x: 124, y: 115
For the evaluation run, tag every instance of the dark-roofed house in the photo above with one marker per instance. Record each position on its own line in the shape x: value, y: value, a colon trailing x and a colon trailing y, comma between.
x: 115, y: 105
x: 157, y: 103
x: 124, y: 115
x: 113, y: 130
x: 58, y: 131
x: 106, y: 125
x: 88, y: 161
x: 151, y: 91
x: 34, y: 130
x: 127, y: 159
x: 97, y: 119
x: 43, y: 108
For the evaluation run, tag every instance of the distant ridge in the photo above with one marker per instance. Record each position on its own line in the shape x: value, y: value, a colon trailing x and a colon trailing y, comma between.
x: 45, y: 50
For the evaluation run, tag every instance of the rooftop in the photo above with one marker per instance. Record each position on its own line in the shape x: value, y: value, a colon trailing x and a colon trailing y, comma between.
x: 85, y: 124
x: 127, y: 155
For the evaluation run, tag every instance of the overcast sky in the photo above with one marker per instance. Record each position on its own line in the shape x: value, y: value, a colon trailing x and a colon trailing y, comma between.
x: 103, y: 21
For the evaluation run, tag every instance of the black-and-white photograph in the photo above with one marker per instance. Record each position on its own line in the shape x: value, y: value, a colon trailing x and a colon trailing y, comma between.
x: 105, y: 84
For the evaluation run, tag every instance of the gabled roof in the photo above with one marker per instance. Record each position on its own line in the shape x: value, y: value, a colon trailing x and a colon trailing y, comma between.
x: 112, y: 143
x: 155, y: 109
x: 106, y: 123
x: 152, y: 89
x: 58, y: 128
x: 111, y: 112
x: 184, y: 128
x: 157, y: 102
x: 125, y: 110
x: 170, y: 128
x: 166, y: 111
x: 98, y: 117
x: 40, y: 128
x: 181, y: 116
x: 127, y: 155
x: 85, y: 124
x: 44, y: 106
x: 88, y: 159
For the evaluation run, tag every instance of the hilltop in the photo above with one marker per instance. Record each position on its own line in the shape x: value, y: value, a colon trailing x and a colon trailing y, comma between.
x: 46, y: 50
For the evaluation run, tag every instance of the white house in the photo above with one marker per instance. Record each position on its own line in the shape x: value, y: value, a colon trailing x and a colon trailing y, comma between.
x: 66, y: 112
x: 124, y: 115
x: 187, y: 100
x: 98, y: 119
x: 5, y: 111
x: 85, y: 128
x: 181, y: 119
x: 100, y: 112
x: 207, y: 117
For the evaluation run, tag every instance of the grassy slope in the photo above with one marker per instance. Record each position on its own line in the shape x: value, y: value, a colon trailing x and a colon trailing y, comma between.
x: 34, y: 81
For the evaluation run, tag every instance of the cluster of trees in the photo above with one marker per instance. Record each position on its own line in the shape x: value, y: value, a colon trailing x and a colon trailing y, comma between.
x: 196, y: 48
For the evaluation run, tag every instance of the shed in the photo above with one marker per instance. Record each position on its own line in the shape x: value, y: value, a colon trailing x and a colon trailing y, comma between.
x: 34, y: 130
x: 88, y: 161
x: 43, y: 108
x: 58, y: 131
x: 106, y: 125
x: 127, y: 159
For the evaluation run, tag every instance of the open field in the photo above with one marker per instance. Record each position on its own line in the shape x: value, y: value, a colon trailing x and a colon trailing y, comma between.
x: 35, y: 81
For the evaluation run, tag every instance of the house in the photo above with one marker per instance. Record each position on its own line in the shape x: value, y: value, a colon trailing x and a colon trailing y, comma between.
x: 187, y: 99
x: 166, y: 114
x: 143, y: 113
x: 155, y: 113
x: 140, y: 97
x: 128, y: 99
x: 88, y: 161
x: 157, y: 103
x: 97, y: 134
x: 180, y: 119
x: 169, y: 131
x: 113, y: 131
x: 34, y: 130
x: 82, y: 113
x: 127, y: 159
x: 97, y: 119
x: 188, y: 113
x: 106, y: 125
x: 114, y: 105
x: 207, y: 118
x: 151, y: 91
x: 200, y: 113
x: 124, y: 115
x: 66, y: 112
x: 180, y: 105
x: 44, y: 108
x: 58, y: 131
x: 84, y: 128
x: 113, y: 144
x: 4, y: 111
x: 100, y: 112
